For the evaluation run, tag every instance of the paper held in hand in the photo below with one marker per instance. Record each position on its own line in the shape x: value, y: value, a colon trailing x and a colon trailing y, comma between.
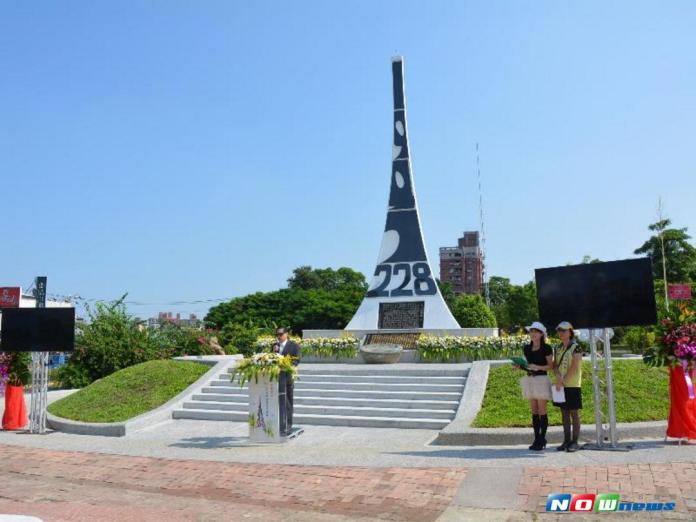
x: 557, y: 395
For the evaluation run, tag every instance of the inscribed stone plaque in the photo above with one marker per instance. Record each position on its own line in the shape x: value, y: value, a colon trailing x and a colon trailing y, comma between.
x: 393, y: 316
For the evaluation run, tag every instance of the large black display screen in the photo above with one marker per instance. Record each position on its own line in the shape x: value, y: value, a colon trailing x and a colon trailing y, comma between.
x: 37, y: 330
x: 597, y: 295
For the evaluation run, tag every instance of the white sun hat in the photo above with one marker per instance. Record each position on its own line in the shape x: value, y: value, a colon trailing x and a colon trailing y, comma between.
x: 536, y: 325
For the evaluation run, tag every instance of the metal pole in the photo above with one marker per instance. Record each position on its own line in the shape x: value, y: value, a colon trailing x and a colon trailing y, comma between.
x: 596, y: 388
x: 610, y: 388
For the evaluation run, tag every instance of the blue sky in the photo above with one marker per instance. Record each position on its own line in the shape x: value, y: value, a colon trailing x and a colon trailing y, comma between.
x: 197, y: 150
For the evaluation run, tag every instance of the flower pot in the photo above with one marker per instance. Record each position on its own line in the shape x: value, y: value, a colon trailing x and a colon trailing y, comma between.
x: 682, y: 409
x: 15, y: 416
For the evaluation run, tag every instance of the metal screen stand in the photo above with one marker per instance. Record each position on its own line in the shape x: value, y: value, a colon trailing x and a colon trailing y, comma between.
x: 39, y: 372
x: 39, y: 392
x: 604, y: 390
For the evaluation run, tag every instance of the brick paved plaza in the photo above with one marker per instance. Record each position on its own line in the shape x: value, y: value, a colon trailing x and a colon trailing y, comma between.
x: 80, y: 486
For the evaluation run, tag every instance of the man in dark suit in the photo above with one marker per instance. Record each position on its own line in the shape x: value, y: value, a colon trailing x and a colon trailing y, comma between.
x: 285, y: 346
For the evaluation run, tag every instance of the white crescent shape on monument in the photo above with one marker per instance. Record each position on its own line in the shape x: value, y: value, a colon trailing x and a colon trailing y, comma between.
x: 399, y: 127
x: 396, y: 150
x: 390, y: 242
x: 399, y: 179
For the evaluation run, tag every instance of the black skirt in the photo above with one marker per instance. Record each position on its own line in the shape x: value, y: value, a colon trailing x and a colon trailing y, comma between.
x: 573, y: 399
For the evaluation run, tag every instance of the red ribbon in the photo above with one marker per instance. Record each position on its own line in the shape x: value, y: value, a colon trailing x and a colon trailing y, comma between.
x: 687, y: 378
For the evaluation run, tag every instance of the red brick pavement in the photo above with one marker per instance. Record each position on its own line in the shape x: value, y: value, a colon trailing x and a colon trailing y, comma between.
x: 62, y: 486
x: 675, y: 482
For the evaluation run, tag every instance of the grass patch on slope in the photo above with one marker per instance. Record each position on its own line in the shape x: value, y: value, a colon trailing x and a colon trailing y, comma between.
x: 129, y: 392
x: 641, y: 394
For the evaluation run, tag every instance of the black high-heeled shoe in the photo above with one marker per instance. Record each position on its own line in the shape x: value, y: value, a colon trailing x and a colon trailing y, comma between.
x: 563, y: 446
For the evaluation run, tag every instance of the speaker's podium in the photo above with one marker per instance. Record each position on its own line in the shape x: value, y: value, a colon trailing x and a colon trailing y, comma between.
x: 268, y: 410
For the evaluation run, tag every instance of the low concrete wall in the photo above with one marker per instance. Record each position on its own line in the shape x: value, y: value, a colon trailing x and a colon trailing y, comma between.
x: 218, y: 363
x: 460, y: 332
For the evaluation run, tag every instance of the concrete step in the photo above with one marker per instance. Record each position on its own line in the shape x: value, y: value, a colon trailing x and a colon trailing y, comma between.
x: 376, y: 386
x: 352, y: 394
x: 381, y: 369
x: 385, y: 379
x: 350, y: 411
x: 337, y: 401
x: 384, y: 403
x: 332, y: 420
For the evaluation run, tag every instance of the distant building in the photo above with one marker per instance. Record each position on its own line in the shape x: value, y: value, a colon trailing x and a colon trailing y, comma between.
x: 462, y: 266
x: 168, y: 317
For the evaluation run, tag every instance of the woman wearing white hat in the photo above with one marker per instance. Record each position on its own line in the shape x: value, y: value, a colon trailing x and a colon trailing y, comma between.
x: 536, y: 386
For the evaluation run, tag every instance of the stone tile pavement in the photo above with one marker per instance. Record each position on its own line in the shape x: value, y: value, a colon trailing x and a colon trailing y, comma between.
x: 668, y: 482
x: 73, y: 486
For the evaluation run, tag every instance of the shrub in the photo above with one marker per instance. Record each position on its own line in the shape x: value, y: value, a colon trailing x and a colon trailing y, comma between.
x: 638, y: 338
x: 471, y: 312
x: 239, y: 338
x: 111, y: 340
x: 175, y: 341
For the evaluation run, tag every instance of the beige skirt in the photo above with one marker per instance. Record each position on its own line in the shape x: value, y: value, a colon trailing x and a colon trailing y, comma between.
x: 536, y: 387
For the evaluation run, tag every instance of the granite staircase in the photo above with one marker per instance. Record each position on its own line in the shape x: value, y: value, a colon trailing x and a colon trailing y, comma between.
x: 382, y: 396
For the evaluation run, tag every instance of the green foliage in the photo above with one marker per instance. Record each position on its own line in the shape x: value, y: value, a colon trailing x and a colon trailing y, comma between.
x: 129, y: 392
x: 514, y: 306
x: 471, y: 311
x: 638, y: 338
x: 175, y: 341
x: 642, y: 394
x: 679, y: 253
x: 109, y: 341
x: 18, y: 370
x: 239, y: 338
x: 296, y: 307
x: 447, y: 293
x: 460, y: 349
x: 308, y: 278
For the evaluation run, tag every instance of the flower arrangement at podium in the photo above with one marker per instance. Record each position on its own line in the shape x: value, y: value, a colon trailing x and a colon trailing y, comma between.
x: 263, y: 364
x: 677, y: 350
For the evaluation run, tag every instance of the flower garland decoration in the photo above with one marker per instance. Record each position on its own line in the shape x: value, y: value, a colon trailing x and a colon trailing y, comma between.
x: 269, y: 365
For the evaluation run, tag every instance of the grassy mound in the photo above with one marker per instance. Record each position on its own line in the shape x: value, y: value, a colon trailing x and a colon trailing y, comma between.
x: 129, y: 392
x: 641, y: 394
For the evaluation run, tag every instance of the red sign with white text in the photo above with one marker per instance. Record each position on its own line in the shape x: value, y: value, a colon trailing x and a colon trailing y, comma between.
x: 680, y: 292
x: 9, y: 297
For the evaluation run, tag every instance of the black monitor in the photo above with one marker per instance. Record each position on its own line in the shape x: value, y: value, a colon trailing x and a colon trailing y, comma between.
x: 597, y: 295
x: 37, y: 330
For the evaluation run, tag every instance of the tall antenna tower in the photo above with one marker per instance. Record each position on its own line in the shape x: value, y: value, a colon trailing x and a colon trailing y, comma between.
x: 486, y: 289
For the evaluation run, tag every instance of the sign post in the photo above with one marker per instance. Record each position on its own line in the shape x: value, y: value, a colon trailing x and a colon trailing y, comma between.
x: 39, y: 372
x: 10, y: 297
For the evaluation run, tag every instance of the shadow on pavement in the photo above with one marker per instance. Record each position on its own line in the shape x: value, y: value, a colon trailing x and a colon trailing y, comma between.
x: 213, y: 442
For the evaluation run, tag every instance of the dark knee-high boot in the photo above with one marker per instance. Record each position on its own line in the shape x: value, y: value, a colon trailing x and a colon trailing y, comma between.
x: 536, y: 425
x: 543, y: 425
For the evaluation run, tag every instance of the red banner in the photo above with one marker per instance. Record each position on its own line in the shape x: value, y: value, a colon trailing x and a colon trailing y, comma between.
x: 679, y: 292
x: 9, y: 297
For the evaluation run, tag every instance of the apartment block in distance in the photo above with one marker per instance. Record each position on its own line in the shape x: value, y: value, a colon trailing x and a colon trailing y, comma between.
x: 462, y: 266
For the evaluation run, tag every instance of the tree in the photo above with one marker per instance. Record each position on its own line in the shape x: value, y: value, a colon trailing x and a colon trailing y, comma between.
x: 315, y: 299
x: 308, y: 278
x: 470, y: 311
x: 521, y: 307
x: 679, y: 253
x: 447, y: 293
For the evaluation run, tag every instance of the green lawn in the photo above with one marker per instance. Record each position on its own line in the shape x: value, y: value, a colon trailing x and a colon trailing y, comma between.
x: 642, y: 394
x: 129, y: 392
